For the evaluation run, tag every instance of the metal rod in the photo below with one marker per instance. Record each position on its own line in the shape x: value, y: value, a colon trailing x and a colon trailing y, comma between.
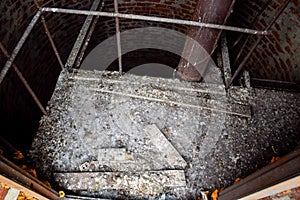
x: 84, y: 30
x: 252, y: 23
x: 52, y: 43
x: 171, y: 102
x: 13, y: 173
x: 19, y: 46
x: 50, y: 37
x: 156, y: 19
x: 87, y: 39
x: 23, y: 80
x: 118, y: 36
x: 86, y: 42
x: 273, y: 81
x: 241, y: 66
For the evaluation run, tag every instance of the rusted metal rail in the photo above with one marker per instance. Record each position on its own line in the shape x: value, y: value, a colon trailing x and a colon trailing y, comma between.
x: 87, y: 39
x: 155, y: 19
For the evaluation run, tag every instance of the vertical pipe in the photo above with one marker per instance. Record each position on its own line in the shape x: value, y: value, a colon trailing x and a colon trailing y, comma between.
x: 118, y: 37
x: 225, y: 59
x: 206, y: 13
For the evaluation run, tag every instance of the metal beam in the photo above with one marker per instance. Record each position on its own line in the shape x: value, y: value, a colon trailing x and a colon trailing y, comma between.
x: 84, y: 30
x: 50, y: 37
x: 155, y: 19
x: 283, y: 169
x: 20, y: 44
x: 241, y: 66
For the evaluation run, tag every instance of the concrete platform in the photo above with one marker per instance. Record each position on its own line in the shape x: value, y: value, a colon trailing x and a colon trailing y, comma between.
x: 100, y: 122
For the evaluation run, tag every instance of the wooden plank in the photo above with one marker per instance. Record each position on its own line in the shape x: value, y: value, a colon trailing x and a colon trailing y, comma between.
x: 136, y: 183
x: 280, y: 187
x: 17, y: 186
x: 284, y: 169
x: 12, y: 194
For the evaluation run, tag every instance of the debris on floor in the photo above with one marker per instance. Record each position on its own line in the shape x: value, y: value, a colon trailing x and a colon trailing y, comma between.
x: 132, y: 131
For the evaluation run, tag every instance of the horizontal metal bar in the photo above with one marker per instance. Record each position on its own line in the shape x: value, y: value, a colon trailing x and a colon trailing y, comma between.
x: 19, y: 45
x: 155, y: 19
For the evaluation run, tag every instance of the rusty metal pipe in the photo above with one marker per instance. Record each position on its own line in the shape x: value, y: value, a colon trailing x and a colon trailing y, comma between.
x: 206, y: 38
x: 154, y: 19
x: 241, y: 66
x: 82, y: 34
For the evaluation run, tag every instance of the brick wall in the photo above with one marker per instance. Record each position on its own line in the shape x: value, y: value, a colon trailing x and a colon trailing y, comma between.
x: 276, y: 57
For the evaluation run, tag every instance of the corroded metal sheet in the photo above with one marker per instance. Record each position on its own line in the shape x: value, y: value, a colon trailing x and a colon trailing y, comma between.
x: 136, y: 183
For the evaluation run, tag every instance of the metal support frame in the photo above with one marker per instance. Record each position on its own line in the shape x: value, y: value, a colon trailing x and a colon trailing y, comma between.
x: 241, y: 66
x: 23, y: 80
x: 248, y: 36
x: 83, y: 32
x: 50, y: 37
x: 52, y: 42
x: 18, y: 47
x: 118, y: 36
x: 70, y: 62
x: 155, y: 19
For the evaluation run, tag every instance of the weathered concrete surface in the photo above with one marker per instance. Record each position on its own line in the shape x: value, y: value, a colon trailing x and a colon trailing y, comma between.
x: 211, y: 129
